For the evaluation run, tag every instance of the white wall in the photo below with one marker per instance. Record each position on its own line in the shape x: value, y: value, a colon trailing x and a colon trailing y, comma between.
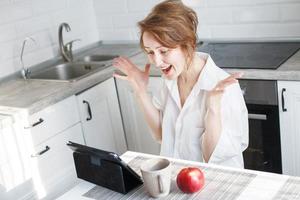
x: 93, y: 20
x: 40, y: 19
x: 218, y: 19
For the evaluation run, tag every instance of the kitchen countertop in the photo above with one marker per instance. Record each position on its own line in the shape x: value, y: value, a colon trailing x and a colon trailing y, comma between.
x: 34, y: 95
x: 220, y: 183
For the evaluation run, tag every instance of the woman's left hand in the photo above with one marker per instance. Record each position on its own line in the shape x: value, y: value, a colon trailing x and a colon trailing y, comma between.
x: 214, y: 96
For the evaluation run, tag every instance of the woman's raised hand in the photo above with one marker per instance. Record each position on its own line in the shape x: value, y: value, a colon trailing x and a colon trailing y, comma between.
x: 215, y: 95
x: 137, y: 78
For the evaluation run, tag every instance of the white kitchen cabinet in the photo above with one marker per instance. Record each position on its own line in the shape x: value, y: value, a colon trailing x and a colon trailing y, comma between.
x: 42, y: 152
x: 53, y: 119
x: 54, y: 171
x: 139, y: 137
x: 289, y: 114
x: 101, y: 117
x: 52, y: 163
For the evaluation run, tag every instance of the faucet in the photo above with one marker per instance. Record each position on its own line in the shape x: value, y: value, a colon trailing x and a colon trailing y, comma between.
x: 25, y: 71
x: 65, y: 49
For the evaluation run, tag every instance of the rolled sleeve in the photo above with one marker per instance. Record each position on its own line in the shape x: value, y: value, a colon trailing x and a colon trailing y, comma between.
x: 234, y: 137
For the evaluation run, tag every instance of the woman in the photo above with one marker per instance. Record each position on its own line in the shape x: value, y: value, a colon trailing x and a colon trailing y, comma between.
x: 200, y: 113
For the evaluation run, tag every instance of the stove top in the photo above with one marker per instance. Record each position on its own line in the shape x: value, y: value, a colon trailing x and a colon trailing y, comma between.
x: 250, y: 55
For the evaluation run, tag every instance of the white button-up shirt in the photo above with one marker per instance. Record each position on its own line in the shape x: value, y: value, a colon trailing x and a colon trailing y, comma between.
x: 183, y: 127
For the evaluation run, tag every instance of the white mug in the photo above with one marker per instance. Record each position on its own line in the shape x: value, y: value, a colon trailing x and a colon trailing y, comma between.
x: 156, y: 174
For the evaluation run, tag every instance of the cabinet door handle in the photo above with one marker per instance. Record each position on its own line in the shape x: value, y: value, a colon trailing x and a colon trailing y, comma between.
x: 282, y: 100
x: 47, y: 148
x: 89, y: 110
x: 35, y: 123
x: 257, y: 116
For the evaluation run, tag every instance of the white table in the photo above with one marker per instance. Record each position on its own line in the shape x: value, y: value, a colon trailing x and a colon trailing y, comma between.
x: 259, y: 185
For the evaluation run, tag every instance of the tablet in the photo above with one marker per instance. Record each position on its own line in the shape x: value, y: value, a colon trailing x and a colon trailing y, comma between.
x: 103, y: 155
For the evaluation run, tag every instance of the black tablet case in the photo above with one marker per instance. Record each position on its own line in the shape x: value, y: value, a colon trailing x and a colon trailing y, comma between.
x: 100, y: 171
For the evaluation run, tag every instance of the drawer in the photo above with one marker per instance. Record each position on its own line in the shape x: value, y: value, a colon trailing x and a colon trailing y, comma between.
x: 53, y: 119
x: 51, y: 166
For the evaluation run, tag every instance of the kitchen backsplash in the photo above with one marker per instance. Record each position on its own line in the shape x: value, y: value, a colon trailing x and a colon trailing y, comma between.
x: 40, y: 19
x: 222, y: 19
x: 93, y: 20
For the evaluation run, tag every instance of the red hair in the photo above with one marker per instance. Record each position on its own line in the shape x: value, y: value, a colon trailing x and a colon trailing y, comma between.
x: 172, y: 24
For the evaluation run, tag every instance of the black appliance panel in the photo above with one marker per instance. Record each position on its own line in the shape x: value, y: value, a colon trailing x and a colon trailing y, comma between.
x: 264, y: 149
x: 250, y: 55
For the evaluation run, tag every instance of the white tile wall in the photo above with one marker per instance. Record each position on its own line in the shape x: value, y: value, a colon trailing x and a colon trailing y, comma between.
x: 93, y: 20
x: 140, y: 5
x: 218, y: 19
x: 105, y: 7
x: 256, y: 14
x: 40, y: 19
x: 290, y: 12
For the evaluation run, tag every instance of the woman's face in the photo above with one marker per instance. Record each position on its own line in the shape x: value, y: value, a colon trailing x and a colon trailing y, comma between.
x: 170, y: 61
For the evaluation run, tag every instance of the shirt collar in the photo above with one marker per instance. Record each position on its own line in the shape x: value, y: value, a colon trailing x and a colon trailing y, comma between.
x: 208, y: 77
x: 173, y: 89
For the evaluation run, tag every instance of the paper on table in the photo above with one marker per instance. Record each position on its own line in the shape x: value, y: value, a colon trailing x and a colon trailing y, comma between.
x: 290, y: 190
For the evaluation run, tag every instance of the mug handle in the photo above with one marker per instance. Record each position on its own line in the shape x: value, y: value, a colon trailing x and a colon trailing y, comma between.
x: 160, y: 184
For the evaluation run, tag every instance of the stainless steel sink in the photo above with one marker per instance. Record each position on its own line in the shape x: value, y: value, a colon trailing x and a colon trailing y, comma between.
x: 98, y: 58
x: 68, y: 71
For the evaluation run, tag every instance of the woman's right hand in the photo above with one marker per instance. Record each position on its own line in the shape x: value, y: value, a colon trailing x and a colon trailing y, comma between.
x: 136, y: 77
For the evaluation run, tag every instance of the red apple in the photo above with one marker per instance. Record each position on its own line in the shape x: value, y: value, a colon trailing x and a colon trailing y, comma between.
x: 190, y: 179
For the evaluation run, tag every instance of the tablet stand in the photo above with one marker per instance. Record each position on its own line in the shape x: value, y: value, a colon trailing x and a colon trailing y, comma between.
x: 104, y: 173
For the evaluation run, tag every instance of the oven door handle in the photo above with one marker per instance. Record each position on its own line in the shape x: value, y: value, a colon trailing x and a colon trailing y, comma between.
x: 257, y: 116
x: 282, y: 100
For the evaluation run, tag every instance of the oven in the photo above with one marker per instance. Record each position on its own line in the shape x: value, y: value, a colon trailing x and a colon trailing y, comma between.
x: 264, y: 150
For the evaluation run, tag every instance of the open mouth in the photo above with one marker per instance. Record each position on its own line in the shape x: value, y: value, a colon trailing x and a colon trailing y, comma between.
x: 166, y: 70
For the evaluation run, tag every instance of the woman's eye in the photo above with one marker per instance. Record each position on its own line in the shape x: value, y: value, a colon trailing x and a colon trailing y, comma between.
x: 164, y: 51
x: 150, y: 52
